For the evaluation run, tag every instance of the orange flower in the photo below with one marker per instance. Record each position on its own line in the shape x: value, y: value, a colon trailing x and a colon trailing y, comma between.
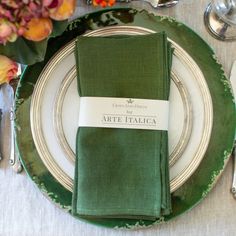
x: 8, y: 69
x: 64, y: 11
x: 104, y: 3
x: 38, y: 29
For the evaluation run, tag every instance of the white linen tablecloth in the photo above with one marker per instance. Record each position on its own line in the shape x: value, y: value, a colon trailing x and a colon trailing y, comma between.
x: 25, y: 211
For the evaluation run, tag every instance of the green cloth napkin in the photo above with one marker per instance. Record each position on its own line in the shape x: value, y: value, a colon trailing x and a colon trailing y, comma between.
x: 122, y: 173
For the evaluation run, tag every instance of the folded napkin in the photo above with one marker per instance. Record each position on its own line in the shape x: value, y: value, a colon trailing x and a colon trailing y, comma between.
x: 122, y: 173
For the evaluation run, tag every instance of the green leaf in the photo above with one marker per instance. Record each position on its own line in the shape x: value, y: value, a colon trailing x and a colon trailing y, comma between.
x: 28, y: 52
x: 59, y: 27
x: 24, y: 51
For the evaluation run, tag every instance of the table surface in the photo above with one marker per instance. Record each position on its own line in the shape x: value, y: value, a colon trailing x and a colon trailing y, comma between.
x: 25, y: 211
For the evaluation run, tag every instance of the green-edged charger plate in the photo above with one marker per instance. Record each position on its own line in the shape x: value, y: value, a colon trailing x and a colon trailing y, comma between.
x: 223, y: 126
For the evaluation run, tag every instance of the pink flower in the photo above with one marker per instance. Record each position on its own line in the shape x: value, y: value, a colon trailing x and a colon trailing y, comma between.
x: 52, y: 3
x: 10, y: 3
x: 8, y: 69
x: 15, y: 15
x: 7, y: 31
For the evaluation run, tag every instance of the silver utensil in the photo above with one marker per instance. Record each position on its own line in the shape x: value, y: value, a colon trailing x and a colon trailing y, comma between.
x: 7, y: 121
x: 0, y: 133
x: 220, y: 19
x: 233, y: 82
x: 14, y: 160
x: 12, y: 135
x: 153, y: 3
x: 162, y: 3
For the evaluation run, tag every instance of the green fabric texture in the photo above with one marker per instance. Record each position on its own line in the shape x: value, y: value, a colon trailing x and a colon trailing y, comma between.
x: 122, y: 173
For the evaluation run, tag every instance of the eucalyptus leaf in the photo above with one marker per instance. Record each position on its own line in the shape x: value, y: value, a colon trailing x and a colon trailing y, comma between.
x: 29, y: 52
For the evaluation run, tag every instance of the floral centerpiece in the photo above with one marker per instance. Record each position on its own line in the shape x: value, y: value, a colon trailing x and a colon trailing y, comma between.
x: 26, y: 26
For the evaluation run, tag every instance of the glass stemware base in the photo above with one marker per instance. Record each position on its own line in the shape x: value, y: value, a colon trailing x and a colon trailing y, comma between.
x: 217, y: 27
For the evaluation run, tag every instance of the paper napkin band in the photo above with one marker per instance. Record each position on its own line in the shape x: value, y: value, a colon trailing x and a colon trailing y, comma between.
x: 124, y: 113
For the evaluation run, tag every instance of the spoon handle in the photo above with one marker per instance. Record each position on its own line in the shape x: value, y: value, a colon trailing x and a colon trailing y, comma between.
x: 233, y: 189
x: 14, y: 160
x: 233, y: 83
x: 12, y: 135
x: 0, y: 133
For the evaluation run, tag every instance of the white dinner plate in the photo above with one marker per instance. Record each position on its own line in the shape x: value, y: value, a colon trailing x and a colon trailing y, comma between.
x: 54, y: 112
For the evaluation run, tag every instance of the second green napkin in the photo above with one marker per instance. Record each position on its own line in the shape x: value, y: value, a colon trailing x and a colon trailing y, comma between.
x: 122, y: 173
